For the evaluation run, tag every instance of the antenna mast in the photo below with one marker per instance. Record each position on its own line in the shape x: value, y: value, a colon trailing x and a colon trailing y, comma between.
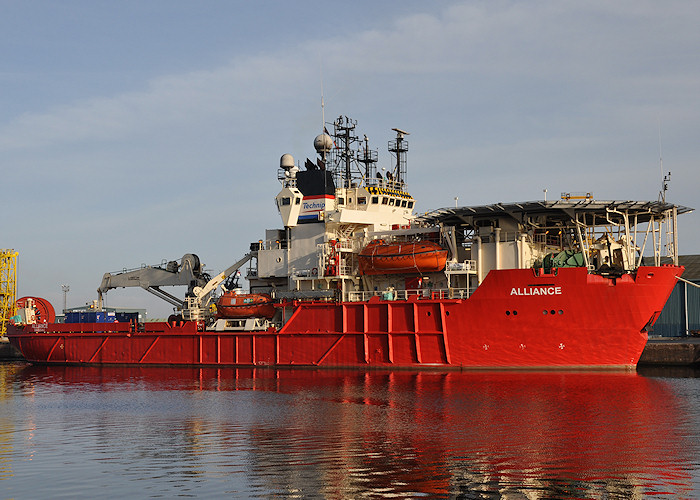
x: 399, y: 146
x: 665, y: 178
x: 323, y: 111
x: 323, y: 106
x: 368, y: 157
x: 344, y: 132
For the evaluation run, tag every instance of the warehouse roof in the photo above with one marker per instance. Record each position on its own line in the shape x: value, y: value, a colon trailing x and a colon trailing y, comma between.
x: 690, y: 262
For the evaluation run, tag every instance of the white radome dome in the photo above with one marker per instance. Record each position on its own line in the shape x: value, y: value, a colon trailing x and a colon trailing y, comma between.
x: 323, y: 143
x: 287, y: 161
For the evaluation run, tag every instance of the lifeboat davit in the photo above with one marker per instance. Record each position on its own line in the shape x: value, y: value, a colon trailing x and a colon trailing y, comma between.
x: 245, y: 305
x: 380, y: 257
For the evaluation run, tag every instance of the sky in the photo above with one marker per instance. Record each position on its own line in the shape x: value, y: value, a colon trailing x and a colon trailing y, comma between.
x: 134, y: 132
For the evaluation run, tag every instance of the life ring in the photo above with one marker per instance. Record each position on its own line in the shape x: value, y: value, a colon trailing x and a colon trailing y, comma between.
x: 314, y: 272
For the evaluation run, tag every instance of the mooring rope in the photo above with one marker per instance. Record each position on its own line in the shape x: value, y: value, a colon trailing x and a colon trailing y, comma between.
x: 689, y: 282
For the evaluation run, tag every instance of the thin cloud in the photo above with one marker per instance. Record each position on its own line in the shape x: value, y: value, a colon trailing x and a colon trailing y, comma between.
x: 566, y: 43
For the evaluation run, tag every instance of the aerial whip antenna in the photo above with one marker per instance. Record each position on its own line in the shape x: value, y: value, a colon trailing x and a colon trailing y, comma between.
x: 323, y: 105
x: 665, y: 179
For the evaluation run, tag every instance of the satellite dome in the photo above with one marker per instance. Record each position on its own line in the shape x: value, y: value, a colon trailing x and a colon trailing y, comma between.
x: 323, y: 143
x: 287, y: 161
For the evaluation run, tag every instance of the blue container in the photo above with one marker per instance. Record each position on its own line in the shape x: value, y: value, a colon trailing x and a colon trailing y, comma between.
x: 91, y: 317
x: 72, y: 317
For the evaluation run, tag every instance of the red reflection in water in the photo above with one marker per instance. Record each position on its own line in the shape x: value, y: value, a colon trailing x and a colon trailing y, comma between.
x: 548, y: 434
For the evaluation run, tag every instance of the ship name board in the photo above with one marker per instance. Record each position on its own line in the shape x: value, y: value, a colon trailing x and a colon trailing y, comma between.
x: 537, y: 290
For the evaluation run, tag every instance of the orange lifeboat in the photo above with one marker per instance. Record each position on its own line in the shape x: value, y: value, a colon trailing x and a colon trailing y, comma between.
x: 380, y: 257
x: 245, y: 305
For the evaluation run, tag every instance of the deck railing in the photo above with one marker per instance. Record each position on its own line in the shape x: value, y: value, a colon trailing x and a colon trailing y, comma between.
x: 435, y: 293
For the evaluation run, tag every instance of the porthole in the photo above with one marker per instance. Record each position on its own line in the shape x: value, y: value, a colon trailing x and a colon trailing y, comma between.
x: 428, y: 313
x: 561, y: 312
x: 552, y: 311
x: 507, y: 313
x: 544, y: 312
x: 447, y: 313
x: 515, y: 313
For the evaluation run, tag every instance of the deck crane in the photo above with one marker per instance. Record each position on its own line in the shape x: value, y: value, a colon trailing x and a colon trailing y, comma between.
x: 188, y: 272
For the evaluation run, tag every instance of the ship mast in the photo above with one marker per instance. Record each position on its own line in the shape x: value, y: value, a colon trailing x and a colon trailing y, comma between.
x: 368, y: 158
x: 665, y: 178
x: 344, y: 132
x: 399, y: 147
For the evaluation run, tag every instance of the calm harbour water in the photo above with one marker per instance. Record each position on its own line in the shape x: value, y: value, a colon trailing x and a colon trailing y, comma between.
x: 71, y: 432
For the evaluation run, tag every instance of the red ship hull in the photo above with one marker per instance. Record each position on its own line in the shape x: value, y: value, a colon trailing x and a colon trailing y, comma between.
x: 516, y: 318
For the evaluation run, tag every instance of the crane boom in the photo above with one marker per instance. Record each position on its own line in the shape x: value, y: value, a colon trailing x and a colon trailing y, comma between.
x: 188, y: 272
x: 201, y: 292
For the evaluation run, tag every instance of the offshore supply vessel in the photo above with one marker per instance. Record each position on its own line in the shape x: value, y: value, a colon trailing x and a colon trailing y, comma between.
x: 354, y: 278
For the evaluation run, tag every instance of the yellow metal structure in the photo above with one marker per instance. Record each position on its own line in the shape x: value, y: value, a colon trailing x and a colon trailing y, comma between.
x: 8, y: 287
